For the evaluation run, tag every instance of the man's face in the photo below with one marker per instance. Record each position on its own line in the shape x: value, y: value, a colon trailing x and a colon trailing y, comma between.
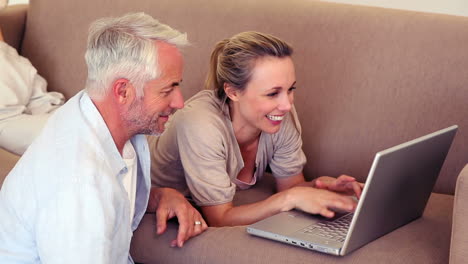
x: 162, y: 96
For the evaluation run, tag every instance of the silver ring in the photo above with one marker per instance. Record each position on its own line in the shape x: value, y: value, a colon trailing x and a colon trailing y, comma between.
x: 197, y: 223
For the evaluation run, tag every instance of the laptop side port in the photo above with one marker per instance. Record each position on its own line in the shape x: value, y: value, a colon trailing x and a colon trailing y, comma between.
x: 322, y: 249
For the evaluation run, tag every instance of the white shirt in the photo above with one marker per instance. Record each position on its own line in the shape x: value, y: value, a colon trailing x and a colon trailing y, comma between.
x: 130, y: 178
x: 64, y: 201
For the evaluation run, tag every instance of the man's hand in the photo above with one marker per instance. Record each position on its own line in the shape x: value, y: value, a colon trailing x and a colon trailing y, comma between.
x: 344, y: 184
x: 168, y: 203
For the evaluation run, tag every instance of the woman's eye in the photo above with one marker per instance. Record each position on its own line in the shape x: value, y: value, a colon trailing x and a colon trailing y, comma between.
x: 292, y: 89
x: 272, y: 94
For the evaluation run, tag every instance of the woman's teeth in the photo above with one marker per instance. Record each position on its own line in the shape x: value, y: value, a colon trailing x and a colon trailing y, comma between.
x: 275, y: 118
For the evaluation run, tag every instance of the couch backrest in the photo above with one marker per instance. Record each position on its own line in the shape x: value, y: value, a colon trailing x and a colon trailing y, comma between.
x: 368, y: 78
x: 12, y: 23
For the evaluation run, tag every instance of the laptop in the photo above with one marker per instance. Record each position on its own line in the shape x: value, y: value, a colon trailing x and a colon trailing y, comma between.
x: 396, y: 192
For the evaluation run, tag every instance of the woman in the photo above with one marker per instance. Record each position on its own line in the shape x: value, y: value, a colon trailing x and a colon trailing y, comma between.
x: 225, y: 138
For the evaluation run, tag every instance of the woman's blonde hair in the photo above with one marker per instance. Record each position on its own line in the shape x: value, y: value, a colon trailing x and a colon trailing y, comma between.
x: 233, y: 59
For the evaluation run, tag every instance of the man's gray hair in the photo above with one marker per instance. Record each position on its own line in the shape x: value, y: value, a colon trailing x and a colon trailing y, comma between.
x: 123, y: 47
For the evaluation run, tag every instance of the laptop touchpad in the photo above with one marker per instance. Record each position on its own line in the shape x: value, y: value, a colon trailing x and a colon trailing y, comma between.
x: 286, y: 222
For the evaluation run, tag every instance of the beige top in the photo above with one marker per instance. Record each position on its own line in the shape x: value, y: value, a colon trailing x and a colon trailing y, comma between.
x: 198, y: 154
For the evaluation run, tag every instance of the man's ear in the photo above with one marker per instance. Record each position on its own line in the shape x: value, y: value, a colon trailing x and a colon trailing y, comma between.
x: 122, y: 91
x: 231, y: 92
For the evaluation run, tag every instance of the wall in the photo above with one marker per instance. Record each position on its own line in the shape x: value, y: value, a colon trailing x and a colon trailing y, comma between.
x: 452, y: 7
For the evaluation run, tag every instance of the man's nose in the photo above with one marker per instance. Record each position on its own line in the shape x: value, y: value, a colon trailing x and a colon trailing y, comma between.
x: 177, y: 101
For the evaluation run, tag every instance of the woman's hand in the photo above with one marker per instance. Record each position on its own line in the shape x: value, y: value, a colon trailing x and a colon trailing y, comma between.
x: 344, y: 184
x: 317, y: 201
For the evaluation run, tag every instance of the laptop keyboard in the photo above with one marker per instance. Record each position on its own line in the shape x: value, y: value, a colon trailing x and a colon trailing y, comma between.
x: 334, y: 230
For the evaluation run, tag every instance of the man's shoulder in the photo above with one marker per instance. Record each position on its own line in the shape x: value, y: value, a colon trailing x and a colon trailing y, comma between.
x: 66, y: 140
x: 59, y: 152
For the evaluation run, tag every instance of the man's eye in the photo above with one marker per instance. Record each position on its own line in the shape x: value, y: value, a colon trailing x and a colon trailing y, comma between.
x: 166, y: 92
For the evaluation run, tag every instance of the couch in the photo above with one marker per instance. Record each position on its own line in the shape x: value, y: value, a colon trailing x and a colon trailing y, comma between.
x: 368, y: 78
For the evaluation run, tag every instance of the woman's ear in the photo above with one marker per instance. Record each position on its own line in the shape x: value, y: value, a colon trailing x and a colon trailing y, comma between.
x: 231, y: 92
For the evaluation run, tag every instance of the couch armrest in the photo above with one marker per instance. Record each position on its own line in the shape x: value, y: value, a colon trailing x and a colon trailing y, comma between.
x: 459, y: 240
x: 13, y: 23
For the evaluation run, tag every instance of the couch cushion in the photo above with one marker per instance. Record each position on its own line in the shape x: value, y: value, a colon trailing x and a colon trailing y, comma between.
x: 425, y: 240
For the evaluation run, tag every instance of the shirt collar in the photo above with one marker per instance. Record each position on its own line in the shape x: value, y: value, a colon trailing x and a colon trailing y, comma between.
x: 101, y: 131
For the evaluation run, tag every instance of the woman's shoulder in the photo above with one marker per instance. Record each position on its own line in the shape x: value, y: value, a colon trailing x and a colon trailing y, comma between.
x: 204, y: 100
x: 203, y: 106
x: 201, y: 111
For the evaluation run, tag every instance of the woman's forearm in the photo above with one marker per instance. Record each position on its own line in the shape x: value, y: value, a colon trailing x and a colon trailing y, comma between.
x: 228, y: 215
x: 310, y: 200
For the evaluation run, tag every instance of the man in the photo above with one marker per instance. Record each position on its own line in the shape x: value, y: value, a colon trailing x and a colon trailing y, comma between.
x: 83, y: 185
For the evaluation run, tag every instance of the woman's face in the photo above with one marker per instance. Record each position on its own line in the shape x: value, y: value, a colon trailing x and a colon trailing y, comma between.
x: 269, y: 95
